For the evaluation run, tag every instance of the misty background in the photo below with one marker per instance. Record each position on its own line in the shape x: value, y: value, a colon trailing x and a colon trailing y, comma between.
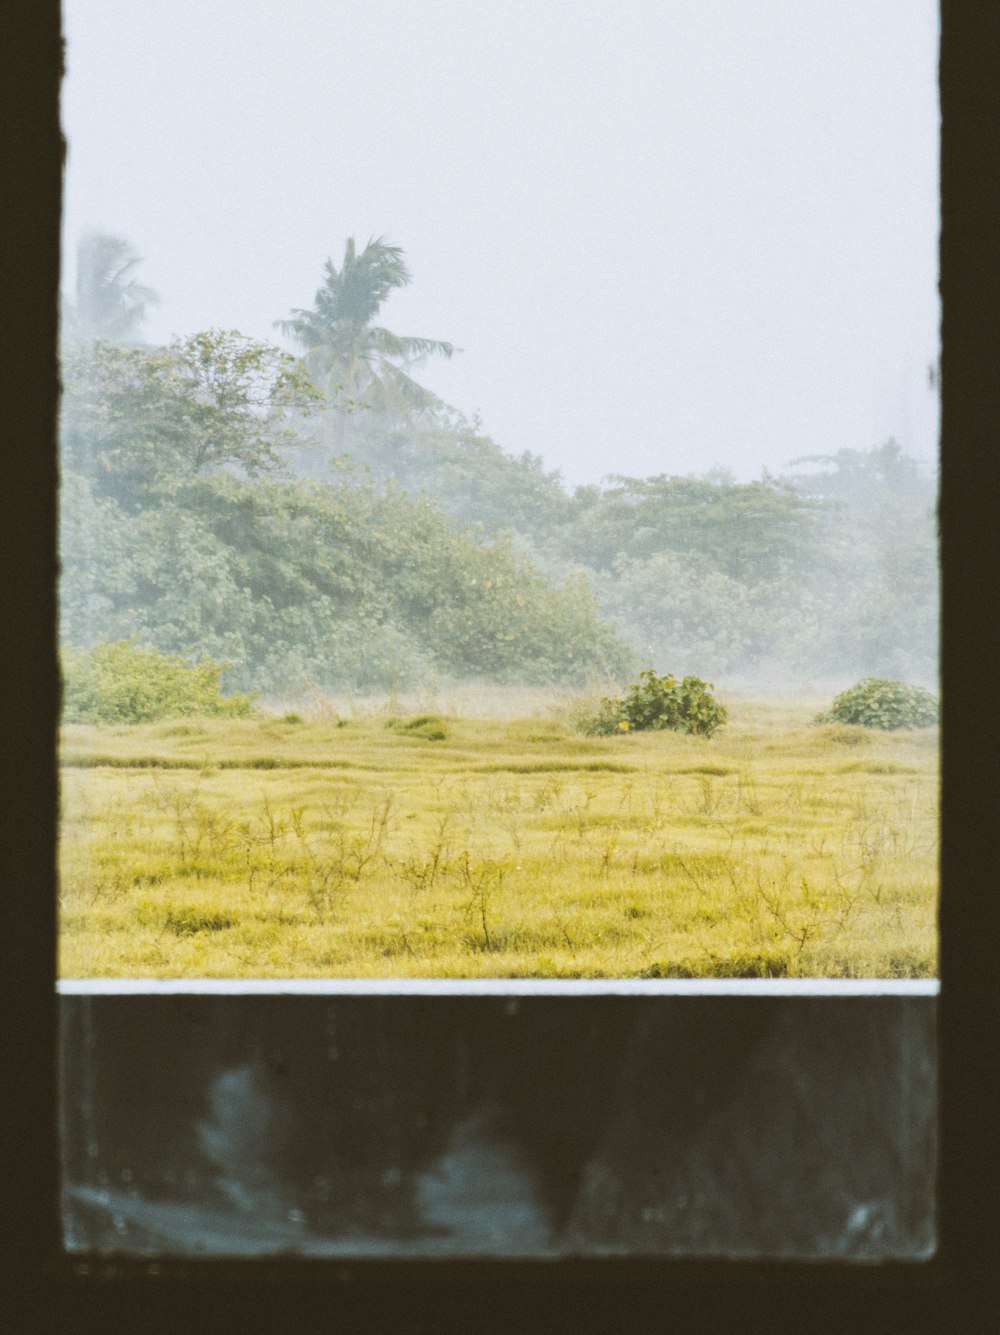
x: 672, y: 274
x: 665, y: 235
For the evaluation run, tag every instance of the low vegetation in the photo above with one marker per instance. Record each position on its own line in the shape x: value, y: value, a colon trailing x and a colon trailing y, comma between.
x: 416, y: 840
x: 876, y: 703
x: 124, y: 683
x: 660, y: 703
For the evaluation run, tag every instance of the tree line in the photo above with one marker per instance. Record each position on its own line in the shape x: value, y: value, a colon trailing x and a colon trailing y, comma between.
x: 321, y: 517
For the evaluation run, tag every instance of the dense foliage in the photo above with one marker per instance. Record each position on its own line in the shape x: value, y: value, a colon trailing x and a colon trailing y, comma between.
x: 329, y: 521
x: 124, y: 683
x: 449, y: 460
x: 799, y: 577
x: 185, y: 531
x: 888, y: 705
x: 876, y: 592
x: 660, y: 703
x: 140, y: 423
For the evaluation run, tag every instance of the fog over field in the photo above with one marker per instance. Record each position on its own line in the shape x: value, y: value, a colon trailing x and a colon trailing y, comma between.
x: 664, y: 236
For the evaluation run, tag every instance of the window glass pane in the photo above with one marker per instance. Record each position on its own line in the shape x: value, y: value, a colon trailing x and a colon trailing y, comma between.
x: 499, y: 465
x: 440, y: 372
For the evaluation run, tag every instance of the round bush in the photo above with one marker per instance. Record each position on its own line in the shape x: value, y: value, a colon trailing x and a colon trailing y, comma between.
x: 877, y: 703
x: 121, y: 683
x: 660, y: 703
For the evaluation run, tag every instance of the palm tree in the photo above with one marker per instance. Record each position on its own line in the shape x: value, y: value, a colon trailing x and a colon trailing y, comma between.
x: 357, y: 362
x: 109, y: 303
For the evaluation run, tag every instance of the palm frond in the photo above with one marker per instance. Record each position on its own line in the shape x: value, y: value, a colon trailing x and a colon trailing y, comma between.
x: 342, y: 346
x: 109, y: 302
x: 410, y: 350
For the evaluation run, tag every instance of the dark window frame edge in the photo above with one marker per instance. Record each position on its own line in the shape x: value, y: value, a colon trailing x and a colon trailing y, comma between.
x: 919, y: 1296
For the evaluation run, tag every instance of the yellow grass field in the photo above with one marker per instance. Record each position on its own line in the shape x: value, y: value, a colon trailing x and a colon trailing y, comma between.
x: 382, y: 842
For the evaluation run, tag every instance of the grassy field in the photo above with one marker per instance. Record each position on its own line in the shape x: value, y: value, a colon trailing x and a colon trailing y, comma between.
x: 380, y: 842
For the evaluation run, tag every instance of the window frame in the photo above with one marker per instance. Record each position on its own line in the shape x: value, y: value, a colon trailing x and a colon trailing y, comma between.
x: 481, y: 1295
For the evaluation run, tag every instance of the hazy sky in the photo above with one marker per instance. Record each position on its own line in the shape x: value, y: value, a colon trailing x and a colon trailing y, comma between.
x: 667, y: 234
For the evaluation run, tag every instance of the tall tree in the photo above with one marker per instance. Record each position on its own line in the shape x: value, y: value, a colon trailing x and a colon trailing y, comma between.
x: 358, y: 363
x: 108, y: 302
x: 139, y: 421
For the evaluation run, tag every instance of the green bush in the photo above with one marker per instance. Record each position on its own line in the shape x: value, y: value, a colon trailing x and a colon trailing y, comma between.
x: 334, y: 585
x: 658, y: 703
x: 877, y: 703
x: 122, y: 683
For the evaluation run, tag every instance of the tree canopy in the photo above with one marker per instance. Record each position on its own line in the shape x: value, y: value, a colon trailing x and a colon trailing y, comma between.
x: 139, y: 421
x: 200, y: 515
x: 184, y: 531
x: 356, y: 361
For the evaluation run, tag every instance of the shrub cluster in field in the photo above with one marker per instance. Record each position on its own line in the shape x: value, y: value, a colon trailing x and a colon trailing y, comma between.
x: 877, y: 703
x: 123, y: 683
x: 660, y: 703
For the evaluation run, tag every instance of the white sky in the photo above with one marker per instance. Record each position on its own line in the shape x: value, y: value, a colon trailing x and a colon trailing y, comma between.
x: 666, y: 233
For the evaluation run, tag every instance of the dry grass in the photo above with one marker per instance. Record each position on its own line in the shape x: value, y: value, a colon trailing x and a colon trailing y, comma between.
x: 360, y: 842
